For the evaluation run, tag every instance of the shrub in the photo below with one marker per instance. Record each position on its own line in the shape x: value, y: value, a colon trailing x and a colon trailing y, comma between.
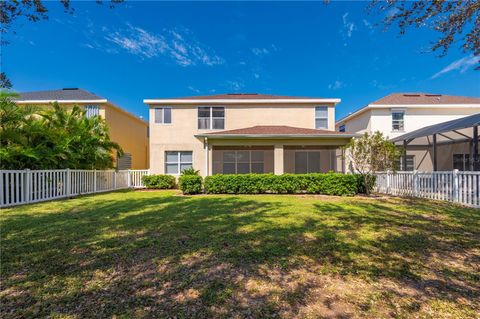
x: 328, y: 184
x: 158, y: 181
x: 190, y: 171
x: 190, y: 184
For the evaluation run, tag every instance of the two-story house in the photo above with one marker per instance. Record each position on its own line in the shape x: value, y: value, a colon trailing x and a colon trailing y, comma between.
x: 126, y: 129
x: 399, y: 113
x: 244, y: 133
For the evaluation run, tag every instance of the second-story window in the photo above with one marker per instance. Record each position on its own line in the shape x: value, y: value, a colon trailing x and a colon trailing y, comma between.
x: 341, y: 128
x: 398, y: 120
x: 211, y: 117
x: 92, y: 110
x: 321, y: 117
x: 163, y: 115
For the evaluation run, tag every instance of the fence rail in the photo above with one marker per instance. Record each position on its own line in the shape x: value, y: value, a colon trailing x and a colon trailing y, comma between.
x: 454, y: 186
x: 31, y: 186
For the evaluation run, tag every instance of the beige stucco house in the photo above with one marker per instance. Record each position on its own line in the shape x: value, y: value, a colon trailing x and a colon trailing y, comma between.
x: 128, y: 130
x: 244, y: 133
x: 400, y: 113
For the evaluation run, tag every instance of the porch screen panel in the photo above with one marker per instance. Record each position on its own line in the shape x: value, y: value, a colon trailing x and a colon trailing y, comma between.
x: 242, y: 162
x: 313, y: 162
x: 301, y: 162
x: 307, y: 162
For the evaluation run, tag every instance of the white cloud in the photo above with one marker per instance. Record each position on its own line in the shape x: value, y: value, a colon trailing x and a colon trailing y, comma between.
x: 336, y: 85
x: 461, y: 65
x: 256, y: 75
x: 368, y: 25
x: 264, y: 51
x: 260, y: 51
x: 348, y: 26
x: 193, y: 89
x: 235, y: 85
x: 178, y: 45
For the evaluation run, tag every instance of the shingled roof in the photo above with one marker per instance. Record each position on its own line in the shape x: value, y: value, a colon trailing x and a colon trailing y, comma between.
x: 278, y: 130
x: 66, y: 94
x: 244, y: 96
x: 424, y: 98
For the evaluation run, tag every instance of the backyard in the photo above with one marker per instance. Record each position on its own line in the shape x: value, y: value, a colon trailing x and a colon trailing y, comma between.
x: 161, y: 254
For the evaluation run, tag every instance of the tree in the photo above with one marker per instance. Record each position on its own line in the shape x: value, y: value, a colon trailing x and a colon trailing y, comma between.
x: 371, y: 153
x: 32, y: 10
x: 52, y: 138
x: 452, y: 19
x: 4, y: 81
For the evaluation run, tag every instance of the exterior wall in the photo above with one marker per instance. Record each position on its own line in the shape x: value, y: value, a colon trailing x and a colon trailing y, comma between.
x: 358, y: 124
x: 130, y: 133
x: 415, y: 118
x: 179, y: 135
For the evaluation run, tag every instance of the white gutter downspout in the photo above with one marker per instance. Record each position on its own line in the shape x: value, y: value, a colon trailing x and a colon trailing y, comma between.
x: 206, y: 156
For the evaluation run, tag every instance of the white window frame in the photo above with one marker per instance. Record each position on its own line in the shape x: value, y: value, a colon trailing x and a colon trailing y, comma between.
x: 211, y: 117
x: 92, y: 110
x: 320, y: 118
x: 163, y: 115
x: 402, y: 120
x: 178, y: 161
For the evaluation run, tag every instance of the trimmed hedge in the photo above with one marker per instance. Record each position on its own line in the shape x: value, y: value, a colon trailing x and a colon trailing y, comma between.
x: 158, y: 181
x: 326, y: 183
x: 190, y: 184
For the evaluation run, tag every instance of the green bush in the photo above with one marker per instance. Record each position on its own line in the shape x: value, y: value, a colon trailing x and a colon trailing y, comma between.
x: 365, y: 181
x: 158, y: 181
x: 190, y: 171
x: 190, y: 184
x: 327, y: 183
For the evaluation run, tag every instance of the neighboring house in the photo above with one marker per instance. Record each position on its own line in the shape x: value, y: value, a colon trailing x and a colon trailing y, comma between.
x: 400, y: 113
x: 244, y: 133
x: 125, y: 128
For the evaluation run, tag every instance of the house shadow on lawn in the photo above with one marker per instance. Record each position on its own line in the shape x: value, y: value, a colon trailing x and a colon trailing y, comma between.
x: 157, y: 255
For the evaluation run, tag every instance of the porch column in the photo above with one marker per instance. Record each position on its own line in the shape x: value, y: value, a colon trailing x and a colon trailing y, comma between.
x: 207, y: 164
x: 474, y: 158
x: 278, y: 159
x: 434, y: 152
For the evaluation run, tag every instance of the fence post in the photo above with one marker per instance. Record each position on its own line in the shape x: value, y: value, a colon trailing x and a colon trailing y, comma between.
x: 415, y: 183
x: 456, y: 189
x: 28, y: 185
x: 129, y: 179
x: 68, y: 187
x: 114, y: 179
x: 94, y: 180
x: 388, y: 182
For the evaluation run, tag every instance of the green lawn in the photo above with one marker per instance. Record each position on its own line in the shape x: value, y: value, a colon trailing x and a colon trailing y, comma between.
x: 160, y: 254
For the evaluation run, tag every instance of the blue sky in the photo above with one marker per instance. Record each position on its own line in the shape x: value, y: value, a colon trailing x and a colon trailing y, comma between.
x: 162, y: 49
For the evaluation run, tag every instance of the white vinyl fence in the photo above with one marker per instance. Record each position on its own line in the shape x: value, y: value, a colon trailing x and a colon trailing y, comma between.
x: 31, y: 186
x: 454, y: 186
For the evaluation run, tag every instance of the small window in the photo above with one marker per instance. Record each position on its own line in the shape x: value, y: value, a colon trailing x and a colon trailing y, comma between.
x: 410, y: 163
x: 398, y: 120
x: 163, y: 115
x: 177, y: 161
x: 341, y: 128
x: 92, y: 110
x: 307, y: 162
x: 211, y: 118
x: 321, y: 117
x: 461, y: 162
